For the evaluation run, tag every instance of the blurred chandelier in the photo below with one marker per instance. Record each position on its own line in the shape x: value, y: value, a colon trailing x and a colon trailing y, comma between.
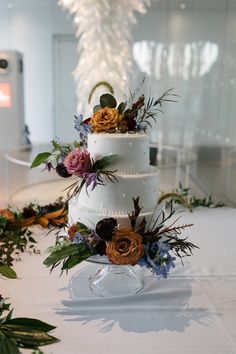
x: 103, y: 29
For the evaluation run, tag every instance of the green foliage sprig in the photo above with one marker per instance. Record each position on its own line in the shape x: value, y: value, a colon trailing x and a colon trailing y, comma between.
x: 17, y: 333
x: 14, y: 240
x: 150, y: 109
x: 182, y: 196
x: 16, y: 236
x: 51, y: 158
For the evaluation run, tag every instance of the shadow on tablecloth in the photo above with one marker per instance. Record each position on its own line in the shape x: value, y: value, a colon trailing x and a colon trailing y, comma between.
x: 161, y: 305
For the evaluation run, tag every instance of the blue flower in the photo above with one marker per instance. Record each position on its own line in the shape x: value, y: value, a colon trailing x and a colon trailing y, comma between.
x: 157, y: 257
x: 78, y: 238
x: 82, y: 127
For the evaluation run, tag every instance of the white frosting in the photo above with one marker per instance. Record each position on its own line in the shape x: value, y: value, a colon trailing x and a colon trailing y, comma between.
x: 91, y: 217
x: 132, y: 148
x: 135, y: 178
x: 117, y: 196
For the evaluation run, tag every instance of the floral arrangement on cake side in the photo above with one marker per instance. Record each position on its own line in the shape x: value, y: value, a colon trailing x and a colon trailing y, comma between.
x: 155, y: 247
x: 69, y: 160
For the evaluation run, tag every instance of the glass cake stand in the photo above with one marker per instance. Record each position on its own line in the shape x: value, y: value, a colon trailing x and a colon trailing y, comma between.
x: 114, y: 280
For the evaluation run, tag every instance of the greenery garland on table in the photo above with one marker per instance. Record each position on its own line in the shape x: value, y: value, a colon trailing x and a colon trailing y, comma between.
x: 16, y: 236
x: 182, y: 196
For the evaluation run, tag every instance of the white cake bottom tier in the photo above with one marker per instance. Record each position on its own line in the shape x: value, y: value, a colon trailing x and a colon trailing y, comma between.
x: 90, y: 218
x: 118, y: 196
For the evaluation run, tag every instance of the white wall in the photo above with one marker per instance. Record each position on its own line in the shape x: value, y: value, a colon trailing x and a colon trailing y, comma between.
x: 29, y: 26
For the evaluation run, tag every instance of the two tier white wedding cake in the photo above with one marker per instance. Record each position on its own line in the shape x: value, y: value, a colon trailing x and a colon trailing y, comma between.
x: 134, y: 178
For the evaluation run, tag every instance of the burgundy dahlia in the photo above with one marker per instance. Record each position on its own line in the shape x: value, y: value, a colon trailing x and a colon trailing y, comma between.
x: 62, y: 171
x: 105, y: 228
x: 101, y: 248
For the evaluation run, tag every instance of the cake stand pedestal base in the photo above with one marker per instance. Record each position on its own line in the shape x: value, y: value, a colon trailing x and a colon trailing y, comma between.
x: 115, y: 280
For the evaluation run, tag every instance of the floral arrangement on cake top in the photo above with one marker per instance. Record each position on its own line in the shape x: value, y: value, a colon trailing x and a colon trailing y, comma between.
x: 108, y: 117
x: 155, y: 247
x: 134, y: 115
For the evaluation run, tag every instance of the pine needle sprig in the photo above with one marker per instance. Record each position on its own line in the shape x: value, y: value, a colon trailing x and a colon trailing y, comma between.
x: 180, y: 246
x: 151, y: 109
x: 165, y: 97
x: 133, y: 94
x: 159, y: 232
x: 74, y: 189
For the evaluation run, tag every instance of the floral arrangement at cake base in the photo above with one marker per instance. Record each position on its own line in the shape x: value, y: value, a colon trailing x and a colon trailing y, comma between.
x: 155, y: 247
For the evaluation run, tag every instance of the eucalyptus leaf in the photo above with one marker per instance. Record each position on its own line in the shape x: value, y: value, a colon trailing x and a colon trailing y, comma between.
x: 32, y: 338
x: 39, y: 159
x: 107, y: 100
x: 104, y: 162
x: 59, y: 255
x: 7, y: 271
x: 58, y: 246
x: 28, y: 323
x: 82, y: 226
x: 83, y: 229
x: 55, y: 144
x: 96, y: 108
x: 76, y: 259
x: 121, y: 107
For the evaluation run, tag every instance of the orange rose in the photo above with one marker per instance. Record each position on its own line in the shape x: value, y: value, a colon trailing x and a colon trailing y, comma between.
x: 125, y: 247
x: 106, y: 119
x: 7, y: 214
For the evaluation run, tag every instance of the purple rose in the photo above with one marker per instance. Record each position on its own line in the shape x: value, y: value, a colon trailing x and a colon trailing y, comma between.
x: 78, y: 162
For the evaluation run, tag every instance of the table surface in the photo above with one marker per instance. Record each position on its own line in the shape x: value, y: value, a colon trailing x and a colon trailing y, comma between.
x: 191, y: 312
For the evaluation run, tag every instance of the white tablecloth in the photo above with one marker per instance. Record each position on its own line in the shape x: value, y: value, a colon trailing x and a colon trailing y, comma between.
x: 191, y: 312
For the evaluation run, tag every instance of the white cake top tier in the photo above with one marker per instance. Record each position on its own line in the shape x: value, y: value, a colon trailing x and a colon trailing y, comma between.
x: 132, y: 148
